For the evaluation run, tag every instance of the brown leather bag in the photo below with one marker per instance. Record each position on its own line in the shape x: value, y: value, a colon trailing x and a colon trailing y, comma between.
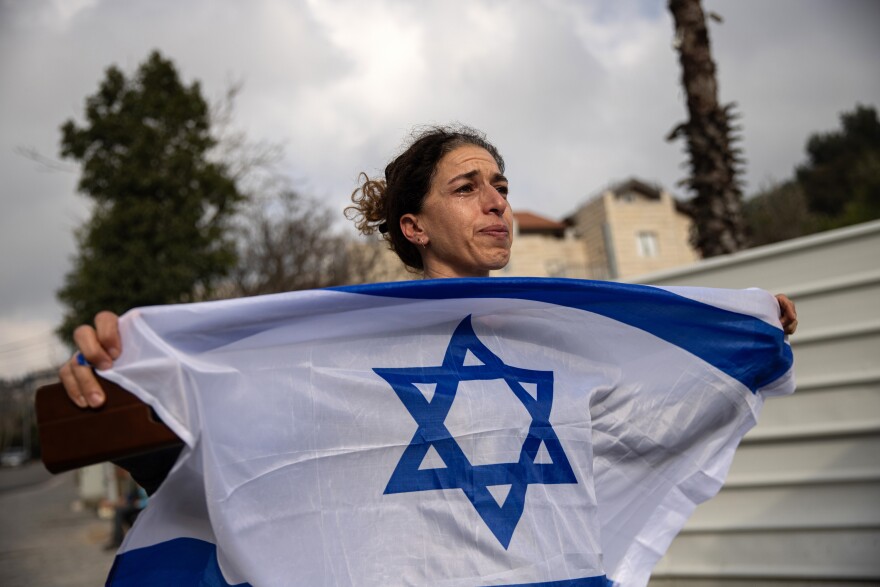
x: 72, y: 437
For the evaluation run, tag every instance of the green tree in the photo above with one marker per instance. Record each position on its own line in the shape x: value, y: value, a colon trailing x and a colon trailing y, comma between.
x: 841, y: 178
x: 779, y: 213
x: 162, y: 205
x: 838, y: 185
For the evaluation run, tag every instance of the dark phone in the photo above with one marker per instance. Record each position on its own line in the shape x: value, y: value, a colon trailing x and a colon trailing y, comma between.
x: 72, y: 437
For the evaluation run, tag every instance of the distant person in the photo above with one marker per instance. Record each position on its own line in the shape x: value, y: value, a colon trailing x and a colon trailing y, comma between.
x: 133, y: 501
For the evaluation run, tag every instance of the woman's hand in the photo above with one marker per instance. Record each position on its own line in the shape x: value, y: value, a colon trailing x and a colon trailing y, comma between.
x: 787, y: 314
x: 100, y: 345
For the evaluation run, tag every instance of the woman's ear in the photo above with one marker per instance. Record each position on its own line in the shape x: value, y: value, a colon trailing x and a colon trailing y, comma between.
x: 413, y: 230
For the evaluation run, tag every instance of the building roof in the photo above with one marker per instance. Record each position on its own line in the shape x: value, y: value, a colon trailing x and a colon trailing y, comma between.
x: 649, y: 190
x: 529, y: 222
x: 636, y: 185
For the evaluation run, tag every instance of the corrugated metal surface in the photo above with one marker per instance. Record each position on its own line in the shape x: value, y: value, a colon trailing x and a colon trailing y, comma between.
x: 801, y: 505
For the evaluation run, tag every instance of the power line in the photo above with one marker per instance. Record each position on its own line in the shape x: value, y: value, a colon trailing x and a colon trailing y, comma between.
x: 42, y: 336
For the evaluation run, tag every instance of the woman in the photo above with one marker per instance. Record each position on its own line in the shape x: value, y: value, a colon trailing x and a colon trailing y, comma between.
x: 442, y: 207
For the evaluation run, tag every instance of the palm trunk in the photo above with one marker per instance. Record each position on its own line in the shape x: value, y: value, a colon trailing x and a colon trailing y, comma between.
x: 714, y: 162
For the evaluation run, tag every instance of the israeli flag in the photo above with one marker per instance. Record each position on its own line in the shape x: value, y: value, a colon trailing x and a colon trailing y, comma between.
x: 460, y: 432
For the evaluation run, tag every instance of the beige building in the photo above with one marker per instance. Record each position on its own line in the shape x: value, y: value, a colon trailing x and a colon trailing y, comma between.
x: 544, y: 248
x: 633, y: 228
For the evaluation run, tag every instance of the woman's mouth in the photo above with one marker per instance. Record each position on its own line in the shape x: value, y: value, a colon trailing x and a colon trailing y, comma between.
x: 496, y: 230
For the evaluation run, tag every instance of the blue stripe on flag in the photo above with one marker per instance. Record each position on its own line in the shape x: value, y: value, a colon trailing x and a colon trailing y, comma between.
x: 188, y: 561
x: 585, y: 582
x: 181, y: 561
x: 736, y: 344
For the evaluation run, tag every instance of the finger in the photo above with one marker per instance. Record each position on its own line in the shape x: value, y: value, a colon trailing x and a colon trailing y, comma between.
x: 86, y: 339
x: 87, y: 383
x: 787, y: 309
x: 70, y: 384
x: 791, y: 327
x: 107, y: 329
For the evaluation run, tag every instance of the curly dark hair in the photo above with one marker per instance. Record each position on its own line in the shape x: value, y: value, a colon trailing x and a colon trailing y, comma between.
x: 378, y: 204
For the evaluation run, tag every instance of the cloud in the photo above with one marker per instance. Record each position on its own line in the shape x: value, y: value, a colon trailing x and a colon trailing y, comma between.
x: 576, y: 94
x: 28, y: 345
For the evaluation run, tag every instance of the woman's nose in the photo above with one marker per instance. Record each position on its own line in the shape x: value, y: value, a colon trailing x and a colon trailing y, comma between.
x: 494, y: 201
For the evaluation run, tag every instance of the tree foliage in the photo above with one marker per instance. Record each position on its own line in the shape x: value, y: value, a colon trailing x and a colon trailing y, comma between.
x: 837, y: 186
x: 714, y: 161
x: 289, y: 242
x: 841, y: 178
x: 779, y: 213
x: 159, y: 226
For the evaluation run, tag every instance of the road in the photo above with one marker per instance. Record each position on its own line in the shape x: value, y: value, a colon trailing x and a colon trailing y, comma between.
x: 44, y: 539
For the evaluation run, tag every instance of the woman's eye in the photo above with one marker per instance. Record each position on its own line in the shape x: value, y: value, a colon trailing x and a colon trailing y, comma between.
x: 502, y: 189
x: 465, y: 189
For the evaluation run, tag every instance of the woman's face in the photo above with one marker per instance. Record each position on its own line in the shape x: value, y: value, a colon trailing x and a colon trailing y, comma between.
x: 465, y: 226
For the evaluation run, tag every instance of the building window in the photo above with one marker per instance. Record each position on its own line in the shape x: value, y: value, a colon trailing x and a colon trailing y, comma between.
x: 646, y: 243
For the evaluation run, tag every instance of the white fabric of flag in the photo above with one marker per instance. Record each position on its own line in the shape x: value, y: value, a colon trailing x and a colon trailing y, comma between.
x: 459, y: 432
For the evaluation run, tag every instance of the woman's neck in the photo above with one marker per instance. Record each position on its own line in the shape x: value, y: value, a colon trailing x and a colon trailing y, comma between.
x: 433, y: 271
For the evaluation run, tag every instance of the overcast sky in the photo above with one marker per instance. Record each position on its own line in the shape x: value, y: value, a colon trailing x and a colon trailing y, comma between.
x: 577, y: 94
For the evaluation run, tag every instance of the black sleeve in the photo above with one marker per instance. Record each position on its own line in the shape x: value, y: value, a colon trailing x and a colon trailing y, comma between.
x: 150, y: 469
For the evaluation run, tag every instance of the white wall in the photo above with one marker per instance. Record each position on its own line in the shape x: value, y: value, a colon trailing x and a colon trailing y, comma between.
x: 801, y: 505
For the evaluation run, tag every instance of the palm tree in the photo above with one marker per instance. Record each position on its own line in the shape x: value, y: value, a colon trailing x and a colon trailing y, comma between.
x: 714, y: 161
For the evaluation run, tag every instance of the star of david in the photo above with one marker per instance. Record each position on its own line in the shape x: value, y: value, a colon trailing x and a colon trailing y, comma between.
x: 476, y: 481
